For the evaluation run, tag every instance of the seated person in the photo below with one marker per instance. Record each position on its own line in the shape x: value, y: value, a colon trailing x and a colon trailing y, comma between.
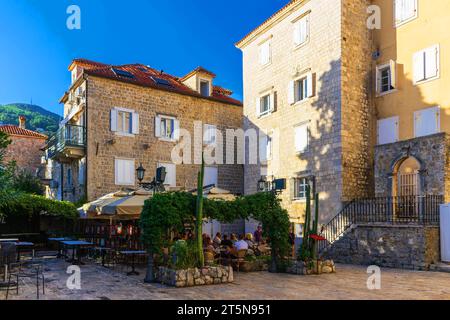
x: 258, y: 234
x: 217, y: 240
x: 226, y: 242
x: 249, y: 240
x: 241, y: 244
x: 233, y: 238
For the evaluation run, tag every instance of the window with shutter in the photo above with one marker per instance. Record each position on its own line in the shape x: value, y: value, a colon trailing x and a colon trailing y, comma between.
x: 385, y: 78
x: 301, y: 31
x: 264, y: 53
x: 426, y: 64
x: 301, y: 138
x: 427, y: 122
x: 388, y: 130
x: 167, y: 128
x: 124, y: 172
x: 265, y: 147
x: 209, y: 134
x: 264, y: 104
x: 124, y: 121
x: 171, y: 174
x: 405, y: 10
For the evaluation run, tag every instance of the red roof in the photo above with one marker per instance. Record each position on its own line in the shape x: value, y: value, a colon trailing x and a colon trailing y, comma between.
x: 146, y: 76
x: 17, y: 131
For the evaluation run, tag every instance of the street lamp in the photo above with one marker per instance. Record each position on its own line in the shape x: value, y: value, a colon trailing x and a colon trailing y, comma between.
x: 140, y: 173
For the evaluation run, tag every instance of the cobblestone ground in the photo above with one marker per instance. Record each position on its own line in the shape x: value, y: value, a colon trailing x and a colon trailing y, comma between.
x: 349, y: 283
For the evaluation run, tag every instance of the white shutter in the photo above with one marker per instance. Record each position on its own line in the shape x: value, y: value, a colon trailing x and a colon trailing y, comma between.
x: 135, y: 123
x: 303, y: 30
x: 409, y: 9
x: 211, y: 176
x: 297, y: 32
x: 272, y: 102
x: 113, y: 120
x: 309, y: 85
x: 291, y: 92
x: 158, y: 126
x: 393, y: 74
x: 262, y: 147
x: 258, y: 106
x: 176, y: 129
x: 378, y: 81
x: 388, y: 130
x: 398, y: 11
x: 431, y: 62
x: 419, y: 64
x: 124, y: 172
x: 301, y: 138
x: 427, y: 122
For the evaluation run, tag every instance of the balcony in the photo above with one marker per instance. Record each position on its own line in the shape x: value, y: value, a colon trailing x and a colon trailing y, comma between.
x: 69, y: 143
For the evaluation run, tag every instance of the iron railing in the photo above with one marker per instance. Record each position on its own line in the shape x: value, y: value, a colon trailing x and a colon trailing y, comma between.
x: 67, y: 136
x: 421, y: 210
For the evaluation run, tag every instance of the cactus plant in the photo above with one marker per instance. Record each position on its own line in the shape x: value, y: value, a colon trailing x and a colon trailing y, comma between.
x: 199, y: 214
x: 308, y: 249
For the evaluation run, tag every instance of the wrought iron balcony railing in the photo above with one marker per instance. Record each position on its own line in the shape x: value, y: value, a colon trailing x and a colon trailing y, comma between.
x: 69, y: 136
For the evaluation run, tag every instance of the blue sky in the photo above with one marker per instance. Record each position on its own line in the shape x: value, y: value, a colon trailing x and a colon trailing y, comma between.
x: 36, y: 47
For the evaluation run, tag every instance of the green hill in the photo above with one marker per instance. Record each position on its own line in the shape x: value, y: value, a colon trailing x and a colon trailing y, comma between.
x: 38, y: 119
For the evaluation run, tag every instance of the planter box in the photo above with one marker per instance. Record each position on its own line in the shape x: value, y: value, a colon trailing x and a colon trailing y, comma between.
x: 316, y: 267
x: 194, y: 276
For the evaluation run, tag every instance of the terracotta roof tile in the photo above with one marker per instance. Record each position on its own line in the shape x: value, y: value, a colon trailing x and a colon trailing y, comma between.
x: 146, y: 76
x: 17, y: 131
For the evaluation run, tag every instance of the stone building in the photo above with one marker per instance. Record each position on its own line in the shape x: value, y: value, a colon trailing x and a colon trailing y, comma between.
x: 25, y: 147
x: 307, y: 89
x: 118, y: 117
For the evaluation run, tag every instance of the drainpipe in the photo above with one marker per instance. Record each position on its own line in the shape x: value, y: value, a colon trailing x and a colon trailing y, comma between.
x: 62, y: 181
x: 86, y: 140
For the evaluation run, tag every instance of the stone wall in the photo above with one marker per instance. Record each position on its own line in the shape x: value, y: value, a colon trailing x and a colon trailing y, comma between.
x: 433, y: 152
x: 409, y: 247
x: 195, y: 277
x: 103, y: 145
x: 26, y: 151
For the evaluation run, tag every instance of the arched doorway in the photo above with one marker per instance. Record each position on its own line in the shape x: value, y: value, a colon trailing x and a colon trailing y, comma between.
x: 406, y: 188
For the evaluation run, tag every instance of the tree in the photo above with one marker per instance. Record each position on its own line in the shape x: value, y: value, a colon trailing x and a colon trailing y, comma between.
x: 6, y: 169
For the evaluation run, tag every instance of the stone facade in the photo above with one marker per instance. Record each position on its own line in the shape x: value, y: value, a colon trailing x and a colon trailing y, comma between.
x: 103, y: 145
x: 433, y: 154
x: 408, y: 246
x: 26, y: 151
x: 337, y: 53
x: 194, y: 276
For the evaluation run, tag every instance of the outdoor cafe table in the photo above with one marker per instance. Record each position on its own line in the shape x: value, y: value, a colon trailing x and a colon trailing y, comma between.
x: 23, y: 245
x: 133, y: 255
x: 76, y: 246
x: 59, y: 241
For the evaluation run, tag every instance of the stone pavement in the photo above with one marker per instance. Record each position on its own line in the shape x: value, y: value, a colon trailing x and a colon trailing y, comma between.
x: 98, y: 283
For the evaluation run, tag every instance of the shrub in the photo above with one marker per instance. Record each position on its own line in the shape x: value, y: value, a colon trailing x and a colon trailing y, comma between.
x: 27, y: 182
x: 19, y: 203
x: 184, y: 255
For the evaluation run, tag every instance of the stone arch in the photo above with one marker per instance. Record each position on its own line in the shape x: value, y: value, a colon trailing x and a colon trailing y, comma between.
x: 407, y: 175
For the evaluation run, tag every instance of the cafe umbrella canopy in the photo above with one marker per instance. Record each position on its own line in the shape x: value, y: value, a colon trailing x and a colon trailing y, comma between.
x: 128, y: 204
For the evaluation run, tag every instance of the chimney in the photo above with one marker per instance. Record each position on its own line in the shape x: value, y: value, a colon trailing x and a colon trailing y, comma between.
x: 22, y: 121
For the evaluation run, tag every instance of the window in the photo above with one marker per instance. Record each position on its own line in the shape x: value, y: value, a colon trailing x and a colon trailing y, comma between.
x: 211, y: 176
x: 69, y: 177
x: 264, y: 104
x: 171, y: 174
x: 124, y: 172
x: 209, y: 134
x: 264, y: 53
x: 427, y: 122
x: 388, y: 130
x: 167, y: 128
x: 124, y: 121
x: 265, y: 147
x: 301, y: 31
x: 82, y: 171
x: 405, y: 10
x: 301, y: 138
x: 204, y: 88
x: 300, y: 185
x: 386, y: 77
x: 426, y: 64
x: 301, y: 89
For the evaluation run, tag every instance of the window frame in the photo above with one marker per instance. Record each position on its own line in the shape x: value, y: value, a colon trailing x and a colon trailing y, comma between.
x: 296, y: 22
x: 304, y: 81
x: 415, y: 16
x: 396, y: 120
x: 208, y: 83
x: 391, y: 66
x: 438, y: 121
x: 261, y: 100
x: 206, y: 129
x: 297, y: 186
x: 163, y: 118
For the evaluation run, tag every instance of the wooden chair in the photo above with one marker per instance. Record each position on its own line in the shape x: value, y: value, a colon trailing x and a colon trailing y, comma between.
x: 209, y: 258
x: 240, y: 258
